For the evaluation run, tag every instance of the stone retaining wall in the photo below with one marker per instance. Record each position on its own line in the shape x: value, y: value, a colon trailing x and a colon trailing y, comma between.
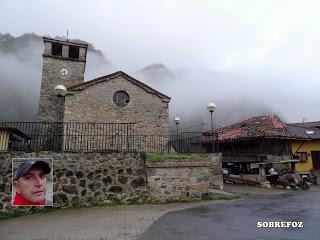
x: 84, y: 178
x: 91, y: 178
x: 184, y: 178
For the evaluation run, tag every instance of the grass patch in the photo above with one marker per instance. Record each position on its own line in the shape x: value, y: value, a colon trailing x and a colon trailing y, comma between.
x: 218, y: 196
x: 22, y: 211
x: 163, y: 157
x: 296, y: 188
x: 112, y: 203
x: 182, y: 200
x: 204, y: 197
x: 243, y: 194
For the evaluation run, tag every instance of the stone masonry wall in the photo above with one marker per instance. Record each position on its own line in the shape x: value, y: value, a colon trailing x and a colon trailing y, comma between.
x: 84, y: 178
x: 90, y: 178
x: 95, y: 104
x: 49, y: 104
x: 184, y: 178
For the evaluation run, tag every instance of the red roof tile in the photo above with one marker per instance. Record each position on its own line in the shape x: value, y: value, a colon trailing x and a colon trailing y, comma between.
x: 269, y: 126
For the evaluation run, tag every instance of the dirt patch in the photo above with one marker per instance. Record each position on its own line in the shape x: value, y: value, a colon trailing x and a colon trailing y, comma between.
x: 232, y: 188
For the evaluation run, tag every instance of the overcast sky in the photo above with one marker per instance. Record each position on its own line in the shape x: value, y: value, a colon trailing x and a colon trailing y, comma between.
x: 277, y: 41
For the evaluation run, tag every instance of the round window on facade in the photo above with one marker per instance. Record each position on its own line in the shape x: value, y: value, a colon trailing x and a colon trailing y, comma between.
x: 121, y: 99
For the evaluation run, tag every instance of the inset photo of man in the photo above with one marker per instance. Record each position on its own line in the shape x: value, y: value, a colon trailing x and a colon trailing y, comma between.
x: 32, y: 182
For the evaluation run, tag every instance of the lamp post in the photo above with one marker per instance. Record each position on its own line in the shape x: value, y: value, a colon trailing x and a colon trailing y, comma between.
x: 59, y: 91
x: 211, y: 108
x: 177, y: 121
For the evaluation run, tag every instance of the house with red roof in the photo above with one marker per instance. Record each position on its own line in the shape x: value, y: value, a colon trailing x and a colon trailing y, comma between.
x: 259, y: 141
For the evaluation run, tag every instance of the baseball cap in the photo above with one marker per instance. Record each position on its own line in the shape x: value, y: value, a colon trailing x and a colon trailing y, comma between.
x: 25, y: 167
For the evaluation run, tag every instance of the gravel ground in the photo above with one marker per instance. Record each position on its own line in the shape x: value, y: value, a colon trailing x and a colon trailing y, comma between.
x: 233, y: 188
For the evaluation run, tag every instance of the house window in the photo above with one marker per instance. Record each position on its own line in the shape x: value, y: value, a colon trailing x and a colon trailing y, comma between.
x: 57, y: 49
x: 121, y: 99
x: 73, y: 52
x: 303, y: 156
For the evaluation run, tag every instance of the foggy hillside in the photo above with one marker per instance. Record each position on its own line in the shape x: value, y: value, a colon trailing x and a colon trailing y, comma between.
x: 156, y: 75
x: 237, y: 96
x: 192, y: 90
x: 20, y: 74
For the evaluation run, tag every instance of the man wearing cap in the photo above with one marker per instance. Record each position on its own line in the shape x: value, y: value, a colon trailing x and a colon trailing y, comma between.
x: 30, y: 183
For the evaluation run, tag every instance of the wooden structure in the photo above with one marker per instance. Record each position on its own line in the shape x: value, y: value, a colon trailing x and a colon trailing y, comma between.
x: 12, y: 138
x: 253, y: 145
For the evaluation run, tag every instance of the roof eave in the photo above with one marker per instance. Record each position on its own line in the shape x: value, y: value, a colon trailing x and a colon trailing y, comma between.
x: 84, y: 85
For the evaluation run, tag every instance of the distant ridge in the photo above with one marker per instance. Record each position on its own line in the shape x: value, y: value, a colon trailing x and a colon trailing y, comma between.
x: 158, y: 70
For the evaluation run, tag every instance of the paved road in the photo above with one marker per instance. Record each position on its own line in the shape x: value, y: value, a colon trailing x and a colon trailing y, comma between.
x: 120, y: 223
x: 216, y: 220
x: 238, y: 219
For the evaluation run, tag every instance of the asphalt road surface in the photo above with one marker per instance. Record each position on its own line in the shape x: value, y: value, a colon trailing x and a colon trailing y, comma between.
x: 238, y: 219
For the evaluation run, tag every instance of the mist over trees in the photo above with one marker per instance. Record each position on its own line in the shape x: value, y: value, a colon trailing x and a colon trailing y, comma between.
x: 192, y: 90
x: 20, y: 74
x: 237, y: 96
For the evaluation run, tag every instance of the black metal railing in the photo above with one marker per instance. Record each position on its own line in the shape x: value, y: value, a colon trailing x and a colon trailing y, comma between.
x: 67, y: 136
x: 186, y: 142
x: 94, y: 137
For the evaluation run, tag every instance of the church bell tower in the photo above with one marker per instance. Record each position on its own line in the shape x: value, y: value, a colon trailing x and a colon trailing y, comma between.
x: 64, y: 63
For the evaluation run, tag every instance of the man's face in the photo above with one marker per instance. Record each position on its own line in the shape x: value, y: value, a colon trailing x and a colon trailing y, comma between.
x: 33, y: 185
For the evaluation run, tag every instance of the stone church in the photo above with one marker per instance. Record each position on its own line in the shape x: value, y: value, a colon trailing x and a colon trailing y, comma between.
x: 114, y: 98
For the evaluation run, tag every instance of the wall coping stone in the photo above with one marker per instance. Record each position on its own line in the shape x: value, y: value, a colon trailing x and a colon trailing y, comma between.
x: 205, y: 160
x: 178, y: 163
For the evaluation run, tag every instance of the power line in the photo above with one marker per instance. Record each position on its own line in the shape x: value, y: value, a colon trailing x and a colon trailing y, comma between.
x: 308, y: 108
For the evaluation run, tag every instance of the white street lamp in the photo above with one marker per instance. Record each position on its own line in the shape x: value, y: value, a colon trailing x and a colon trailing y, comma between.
x: 177, y: 121
x: 211, y: 108
x: 60, y: 91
